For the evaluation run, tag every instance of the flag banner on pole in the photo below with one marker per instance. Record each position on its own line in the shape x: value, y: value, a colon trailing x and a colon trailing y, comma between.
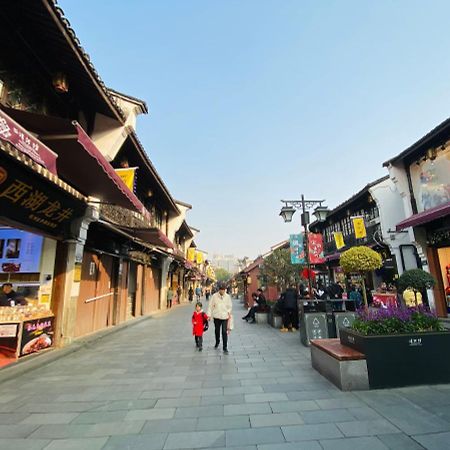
x: 315, y: 247
x: 191, y: 254
x: 199, y: 257
x: 359, y: 227
x: 297, y: 249
x: 128, y: 176
x: 339, y: 239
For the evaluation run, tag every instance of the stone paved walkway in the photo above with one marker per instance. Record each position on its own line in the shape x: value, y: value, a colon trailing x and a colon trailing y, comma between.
x: 146, y: 387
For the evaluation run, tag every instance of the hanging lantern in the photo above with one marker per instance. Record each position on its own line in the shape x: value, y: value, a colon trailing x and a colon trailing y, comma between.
x: 60, y: 83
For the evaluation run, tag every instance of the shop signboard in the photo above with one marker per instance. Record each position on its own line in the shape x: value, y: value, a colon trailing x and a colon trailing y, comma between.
x: 8, y: 330
x: 37, y: 334
x: 25, y: 142
x: 20, y: 251
x: 29, y: 199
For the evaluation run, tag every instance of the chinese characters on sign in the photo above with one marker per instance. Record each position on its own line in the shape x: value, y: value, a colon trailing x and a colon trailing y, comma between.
x: 359, y: 227
x: 41, y: 208
x: 13, y: 133
x: 30, y: 199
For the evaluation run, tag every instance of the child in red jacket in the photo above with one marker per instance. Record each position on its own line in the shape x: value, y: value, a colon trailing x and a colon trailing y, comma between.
x: 199, y: 319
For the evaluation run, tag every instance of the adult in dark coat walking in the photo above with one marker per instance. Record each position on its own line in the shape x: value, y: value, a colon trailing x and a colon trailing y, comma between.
x: 289, y: 308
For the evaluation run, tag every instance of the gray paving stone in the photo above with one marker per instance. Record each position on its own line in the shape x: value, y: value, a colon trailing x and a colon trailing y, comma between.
x: 100, y: 417
x: 59, y: 407
x: 248, y: 408
x: 367, y: 428
x: 412, y: 419
x: 434, y: 441
x: 150, y: 414
x: 223, y: 423
x: 12, y: 418
x: 311, y: 432
x: 170, y: 425
x: 200, y: 411
x: 119, y: 405
x: 399, y: 442
x: 243, y: 390
x: 23, y: 444
x: 50, y: 418
x: 178, y: 402
x: 269, y: 435
x: 17, y: 431
x: 77, y: 444
x: 301, y: 405
x: 158, y: 394
x: 306, y: 445
x: 360, y: 443
x: 340, y: 403
x: 222, y: 400
x: 267, y: 420
x: 195, y: 439
x: 327, y: 416
x: 154, y: 441
x: 261, y: 398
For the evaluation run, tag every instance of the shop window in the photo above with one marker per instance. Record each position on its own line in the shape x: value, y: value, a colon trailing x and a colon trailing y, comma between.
x: 409, y: 257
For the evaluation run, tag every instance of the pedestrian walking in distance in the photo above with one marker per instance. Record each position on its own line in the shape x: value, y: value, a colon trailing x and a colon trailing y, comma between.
x: 199, y: 325
x: 198, y: 292
x: 220, y: 308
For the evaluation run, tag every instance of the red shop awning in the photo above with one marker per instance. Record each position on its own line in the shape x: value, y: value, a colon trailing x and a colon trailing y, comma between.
x: 425, y: 216
x: 152, y: 236
x: 80, y: 162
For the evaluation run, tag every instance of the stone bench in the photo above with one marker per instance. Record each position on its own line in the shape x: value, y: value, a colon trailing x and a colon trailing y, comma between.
x: 343, y: 366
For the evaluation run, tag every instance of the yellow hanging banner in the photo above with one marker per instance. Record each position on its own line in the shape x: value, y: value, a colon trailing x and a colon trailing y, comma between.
x: 191, y: 254
x: 359, y: 227
x: 339, y: 239
x: 128, y: 176
x: 199, y: 257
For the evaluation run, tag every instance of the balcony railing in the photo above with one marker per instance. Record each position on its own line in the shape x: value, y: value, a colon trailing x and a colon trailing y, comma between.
x: 123, y: 217
x: 350, y: 240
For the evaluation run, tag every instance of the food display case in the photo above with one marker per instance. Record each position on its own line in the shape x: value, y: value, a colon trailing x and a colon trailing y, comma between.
x: 25, y: 330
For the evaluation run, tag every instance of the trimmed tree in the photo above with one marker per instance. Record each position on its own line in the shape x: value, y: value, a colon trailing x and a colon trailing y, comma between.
x: 417, y: 280
x: 277, y: 269
x: 361, y: 260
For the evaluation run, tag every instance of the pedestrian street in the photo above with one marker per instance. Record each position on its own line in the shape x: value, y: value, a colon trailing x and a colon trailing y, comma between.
x: 147, y: 387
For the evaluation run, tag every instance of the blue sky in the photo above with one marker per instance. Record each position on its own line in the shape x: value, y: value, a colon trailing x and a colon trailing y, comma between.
x: 252, y: 101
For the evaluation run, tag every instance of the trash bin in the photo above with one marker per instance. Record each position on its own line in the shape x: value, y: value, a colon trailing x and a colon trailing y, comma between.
x: 313, y: 320
x: 343, y: 320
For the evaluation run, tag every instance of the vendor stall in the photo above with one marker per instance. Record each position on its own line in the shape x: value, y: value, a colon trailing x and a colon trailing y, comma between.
x: 24, y: 330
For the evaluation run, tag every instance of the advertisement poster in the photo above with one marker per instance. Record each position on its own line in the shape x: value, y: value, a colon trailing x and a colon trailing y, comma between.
x: 297, y: 249
x: 315, y: 245
x: 19, y: 251
x: 37, y: 334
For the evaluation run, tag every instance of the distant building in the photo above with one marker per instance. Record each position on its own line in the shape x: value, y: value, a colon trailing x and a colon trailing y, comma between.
x: 228, y: 262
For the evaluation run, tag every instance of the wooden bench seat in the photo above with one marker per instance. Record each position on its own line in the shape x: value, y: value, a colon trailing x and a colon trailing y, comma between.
x: 343, y: 366
x: 334, y: 348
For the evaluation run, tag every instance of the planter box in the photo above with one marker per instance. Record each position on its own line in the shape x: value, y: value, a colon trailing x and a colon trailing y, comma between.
x: 276, y: 321
x: 403, y: 359
x: 261, y: 318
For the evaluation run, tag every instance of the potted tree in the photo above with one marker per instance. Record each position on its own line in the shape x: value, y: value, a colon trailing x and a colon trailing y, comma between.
x: 417, y: 281
x: 361, y: 260
x: 403, y: 346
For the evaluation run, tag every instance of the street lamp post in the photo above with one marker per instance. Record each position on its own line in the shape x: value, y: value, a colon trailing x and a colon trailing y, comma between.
x: 288, y: 210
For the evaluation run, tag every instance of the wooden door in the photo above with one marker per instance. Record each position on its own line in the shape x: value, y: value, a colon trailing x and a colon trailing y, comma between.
x: 104, y: 293
x: 85, y: 308
x: 122, y: 296
x: 138, y: 307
